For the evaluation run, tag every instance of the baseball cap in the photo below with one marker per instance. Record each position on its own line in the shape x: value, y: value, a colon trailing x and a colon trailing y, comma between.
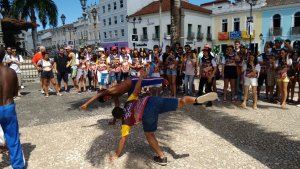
x: 81, y: 47
x: 100, y: 49
x: 278, y: 39
x: 114, y: 48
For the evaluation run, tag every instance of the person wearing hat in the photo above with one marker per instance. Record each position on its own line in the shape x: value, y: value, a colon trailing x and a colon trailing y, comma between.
x: 229, y: 71
x: 208, y: 69
x: 102, y: 73
x: 112, y: 58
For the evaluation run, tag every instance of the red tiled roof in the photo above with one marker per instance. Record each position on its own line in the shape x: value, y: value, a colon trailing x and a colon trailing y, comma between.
x: 271, y: 3
x: 153, y: 7
x: 215, y: 2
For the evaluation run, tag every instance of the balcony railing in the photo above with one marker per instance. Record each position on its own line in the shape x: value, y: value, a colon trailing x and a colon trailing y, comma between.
x: 190, y: 36
x: 144, y: 37
x: 276, y: 31
x: 295, y: 31
x: 167, y: 36
x: 200, y: 36
x: 155, y: 36
x: 209, y: 37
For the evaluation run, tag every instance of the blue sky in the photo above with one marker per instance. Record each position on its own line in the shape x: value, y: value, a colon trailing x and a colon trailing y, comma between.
x: 72, y: 9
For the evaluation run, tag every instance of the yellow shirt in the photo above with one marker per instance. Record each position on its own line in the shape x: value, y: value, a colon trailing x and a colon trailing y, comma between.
x: 125, y: 128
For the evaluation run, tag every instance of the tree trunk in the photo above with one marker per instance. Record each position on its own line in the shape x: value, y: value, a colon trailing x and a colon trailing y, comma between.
x: 175, y: 21
x: 33, y: 30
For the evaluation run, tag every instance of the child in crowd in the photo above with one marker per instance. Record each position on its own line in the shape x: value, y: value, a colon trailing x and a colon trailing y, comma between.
x: 102, y: 72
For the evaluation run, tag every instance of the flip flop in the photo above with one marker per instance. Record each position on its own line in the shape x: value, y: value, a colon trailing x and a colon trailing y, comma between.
x: 207, y: 97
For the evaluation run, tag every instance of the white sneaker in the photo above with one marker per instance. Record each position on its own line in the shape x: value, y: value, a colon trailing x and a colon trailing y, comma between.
x: 298, y: 105
x: 22, y: 87
x: 207, y: 97
x: 42, y: 91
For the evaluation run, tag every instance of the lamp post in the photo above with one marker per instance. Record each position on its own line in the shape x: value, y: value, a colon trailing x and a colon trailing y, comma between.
x: 94, y: 14
x: 83, y: 6
x: 63, y: 20
x: 261, y: 37
x: 250, y: 22
x: 134, y: 21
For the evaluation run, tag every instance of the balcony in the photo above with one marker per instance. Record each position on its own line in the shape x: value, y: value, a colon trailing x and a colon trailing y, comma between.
x: 295, y: 31
x: 155, y: 36
x: 200, y: 36
x: 276, y: 31
x: 190, y: 36
x: 167, y: 36
x: 209, y: 37
x: 144, y: 37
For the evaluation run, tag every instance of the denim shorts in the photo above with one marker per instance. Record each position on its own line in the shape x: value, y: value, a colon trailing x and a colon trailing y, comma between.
x: 154, y: 107
x: 172, y: 72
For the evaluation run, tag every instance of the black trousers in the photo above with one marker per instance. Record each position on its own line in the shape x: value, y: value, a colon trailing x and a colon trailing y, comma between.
x: 208, y: 87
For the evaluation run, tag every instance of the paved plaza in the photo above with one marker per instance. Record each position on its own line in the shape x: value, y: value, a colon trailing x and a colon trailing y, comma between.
x: 55, y: 134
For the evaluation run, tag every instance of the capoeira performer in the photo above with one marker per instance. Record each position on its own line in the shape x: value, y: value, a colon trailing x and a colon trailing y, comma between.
x: 8, y: 117
x: 147, y: 110
x: 118, y: 90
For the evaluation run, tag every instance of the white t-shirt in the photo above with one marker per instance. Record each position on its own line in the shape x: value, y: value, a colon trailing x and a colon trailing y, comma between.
x: 14, y: 66
x: 189, y: 69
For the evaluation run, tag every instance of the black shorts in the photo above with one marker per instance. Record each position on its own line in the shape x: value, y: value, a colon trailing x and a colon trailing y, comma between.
x: 261, y: 79
x: 62, y: 76
x: 230, y: 72
x: 47, y: 74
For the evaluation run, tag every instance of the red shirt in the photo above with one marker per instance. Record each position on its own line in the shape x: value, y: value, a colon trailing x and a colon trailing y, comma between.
x: 37, y: 57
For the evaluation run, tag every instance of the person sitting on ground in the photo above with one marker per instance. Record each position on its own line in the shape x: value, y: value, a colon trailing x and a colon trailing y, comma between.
x: 147, y: 110
x: 47, y: 74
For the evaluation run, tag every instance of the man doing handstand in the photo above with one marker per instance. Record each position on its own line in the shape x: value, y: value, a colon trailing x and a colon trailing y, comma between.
x: 147, y: 110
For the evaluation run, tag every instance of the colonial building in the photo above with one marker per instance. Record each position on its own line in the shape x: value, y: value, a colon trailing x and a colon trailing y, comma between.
x: 196, y: 29
x: 281, y: 19
x: 231, y: 23
x: 114, y: 27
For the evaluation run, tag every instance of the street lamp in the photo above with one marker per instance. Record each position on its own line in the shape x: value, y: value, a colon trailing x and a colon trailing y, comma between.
x: 134, y: 21
x: 63, y: 19
x: 84, y: 14
x: 94, y: 14
x: 251, y: 3
x: 261, y: 37
x: 1, y: 32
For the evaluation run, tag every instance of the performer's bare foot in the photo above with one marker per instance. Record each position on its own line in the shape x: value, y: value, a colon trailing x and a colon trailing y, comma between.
x: 83, y: 107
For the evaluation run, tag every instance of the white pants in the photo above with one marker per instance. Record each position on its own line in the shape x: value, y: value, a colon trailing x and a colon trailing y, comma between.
x: 2, y: 140
x: 250, y: 81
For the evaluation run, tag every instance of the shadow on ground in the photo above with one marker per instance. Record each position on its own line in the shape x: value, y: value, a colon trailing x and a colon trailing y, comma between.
x: 273, y: 149
x: 27, y: 149
x: 138, y: 153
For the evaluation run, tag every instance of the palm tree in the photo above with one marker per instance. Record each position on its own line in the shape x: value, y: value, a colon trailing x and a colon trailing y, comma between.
x: 175, y: 21
x: 46, y: 11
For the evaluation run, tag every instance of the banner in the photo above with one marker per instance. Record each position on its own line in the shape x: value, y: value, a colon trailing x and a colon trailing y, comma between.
x: 235, y: 35
x: 223, y: 36
x: 245, y: 35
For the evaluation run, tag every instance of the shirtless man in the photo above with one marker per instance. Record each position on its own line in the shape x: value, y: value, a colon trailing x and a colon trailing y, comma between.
x: 8, y: 117
x: 116, y: 91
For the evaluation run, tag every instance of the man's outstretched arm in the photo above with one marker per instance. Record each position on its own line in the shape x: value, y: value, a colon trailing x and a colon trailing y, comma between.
x: 100, y: 94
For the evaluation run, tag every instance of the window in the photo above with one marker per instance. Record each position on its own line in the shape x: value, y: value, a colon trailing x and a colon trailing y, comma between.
x: 122, y: 32
x: 276, y: 21
x: 157, y: 33
x: 169, y: 29
x: 109, y: 21
x: 199, y: 30
x: 103, y: 9
x: 224, y: 25
x: 116, y: 33
x: 121, y: 3
x: 116, y: 19
x: 122, y: 18
x: 115, y: 5
x: 190, y: 26
x: 297, y: 20
x: 208, y: 30
x: 236, y: 24
x: 145, y: 33
x: 110, y: 34
x: 104, y: 22
x: 249, y: 19
x: 108, y: 7
x: 134, y: 31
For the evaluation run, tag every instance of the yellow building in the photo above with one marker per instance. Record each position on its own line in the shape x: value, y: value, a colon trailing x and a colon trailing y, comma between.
x: 230, y: 23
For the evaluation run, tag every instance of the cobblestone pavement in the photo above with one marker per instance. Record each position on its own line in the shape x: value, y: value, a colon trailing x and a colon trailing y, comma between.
x: 55, y: 134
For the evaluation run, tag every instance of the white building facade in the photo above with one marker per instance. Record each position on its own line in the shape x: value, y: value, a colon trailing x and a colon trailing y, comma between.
x: 196, y: 29
x: 114, y: 27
